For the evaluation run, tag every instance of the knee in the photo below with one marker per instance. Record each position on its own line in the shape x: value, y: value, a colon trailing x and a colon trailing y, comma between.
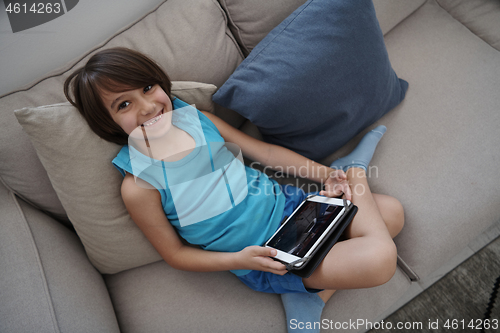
x: 398, y: 216
x: 383, y: 263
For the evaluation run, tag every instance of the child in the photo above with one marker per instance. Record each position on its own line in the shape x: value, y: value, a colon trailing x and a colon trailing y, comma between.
x: 169, y: 146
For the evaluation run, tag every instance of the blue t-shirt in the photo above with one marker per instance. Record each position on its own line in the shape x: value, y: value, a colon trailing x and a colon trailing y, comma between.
x: 209, y: 195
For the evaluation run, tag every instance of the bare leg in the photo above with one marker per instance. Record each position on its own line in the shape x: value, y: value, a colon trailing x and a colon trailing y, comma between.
x: 326, y: 294
x: 393, y: 215
x: 367, y: 259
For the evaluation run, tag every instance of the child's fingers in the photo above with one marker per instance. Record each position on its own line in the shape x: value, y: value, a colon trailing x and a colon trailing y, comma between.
x: 277, y: 266
x: 271, y: 265
x: 338, y: 175
x: 348, y: 192
x: 264, y: 251
x: 280, y: 272
x: 259, y: 258
x: 330, y: 194
x: 333, y: 190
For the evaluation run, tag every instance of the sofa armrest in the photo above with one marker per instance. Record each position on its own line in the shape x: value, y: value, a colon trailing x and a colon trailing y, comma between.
x: 47, y: 284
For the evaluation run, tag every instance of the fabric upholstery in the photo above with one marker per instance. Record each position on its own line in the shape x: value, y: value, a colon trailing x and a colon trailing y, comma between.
x: 482, y: 17
x: 199, y: 94
x: 250, y: 21
x: 440, y: 150
x: 79, y: 166
x: 144, y: 302
x: 317, y: 79
x: 197, y: 25
x: 391, y: 12
x: 48, y: 284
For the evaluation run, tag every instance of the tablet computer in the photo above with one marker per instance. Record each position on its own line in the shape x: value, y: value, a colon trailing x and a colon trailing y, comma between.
x: 303, y: 232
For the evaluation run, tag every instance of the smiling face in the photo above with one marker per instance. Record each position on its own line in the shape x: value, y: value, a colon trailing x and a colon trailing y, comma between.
x: 107, y: 76
x: 136, y: 110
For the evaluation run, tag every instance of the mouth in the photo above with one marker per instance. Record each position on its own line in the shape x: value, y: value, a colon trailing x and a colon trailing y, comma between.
x: 153, y: 120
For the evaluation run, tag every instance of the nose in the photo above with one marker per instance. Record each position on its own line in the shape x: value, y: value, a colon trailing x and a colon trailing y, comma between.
x: 147, y: 107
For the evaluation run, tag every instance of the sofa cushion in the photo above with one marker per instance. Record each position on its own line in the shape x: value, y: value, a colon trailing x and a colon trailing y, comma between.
x: 79, y: 166
x: 48, y: 285
x: 196, y: 93
x: 482, y: 17
x: 392, y: 12
x: 250, y: 21
x: 176, y: 35
x: 155, y: 296
x: 317, y: 79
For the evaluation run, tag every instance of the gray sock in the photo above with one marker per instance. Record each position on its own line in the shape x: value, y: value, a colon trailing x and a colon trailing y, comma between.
x: 303, y: 312
x: 362, y: 155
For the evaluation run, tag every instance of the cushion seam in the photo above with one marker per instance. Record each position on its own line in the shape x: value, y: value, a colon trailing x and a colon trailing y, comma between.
x: 228, y: 34
x: 406, y: 18
x: 40, y: 265
x: 277, y: 35
x: 239, y: 38
x: 54, y: 215
x: 4, y: 183
x: 462, y: 23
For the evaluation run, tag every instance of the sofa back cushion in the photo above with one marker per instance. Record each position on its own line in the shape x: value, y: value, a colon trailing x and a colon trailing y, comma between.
x: 250, y: 21
x: 188, y: 38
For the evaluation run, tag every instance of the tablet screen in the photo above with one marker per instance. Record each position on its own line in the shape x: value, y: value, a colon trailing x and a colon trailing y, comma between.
x: 304, y: 228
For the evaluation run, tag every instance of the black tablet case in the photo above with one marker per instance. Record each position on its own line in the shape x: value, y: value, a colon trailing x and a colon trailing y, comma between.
x: 317, y: 256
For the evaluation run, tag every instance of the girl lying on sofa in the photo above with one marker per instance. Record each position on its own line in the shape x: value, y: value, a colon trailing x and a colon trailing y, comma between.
x: 125, y: 98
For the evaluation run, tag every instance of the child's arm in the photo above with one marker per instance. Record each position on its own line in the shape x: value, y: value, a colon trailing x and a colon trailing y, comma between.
x: 283, y: 159
x: 144, y: 206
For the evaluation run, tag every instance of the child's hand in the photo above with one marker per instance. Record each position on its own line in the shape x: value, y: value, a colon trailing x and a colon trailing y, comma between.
x: 257, y: 258
x: 337, y: 184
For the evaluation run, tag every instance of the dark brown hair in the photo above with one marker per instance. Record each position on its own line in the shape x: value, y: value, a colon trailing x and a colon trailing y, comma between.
x: 114, y: 70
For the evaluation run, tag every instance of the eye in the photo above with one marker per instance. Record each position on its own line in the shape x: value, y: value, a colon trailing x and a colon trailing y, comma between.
x: 123, y: 105
x: 148, y: 88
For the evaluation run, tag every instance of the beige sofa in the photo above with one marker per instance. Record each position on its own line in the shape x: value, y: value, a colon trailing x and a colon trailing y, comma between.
x: 439, y: 158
